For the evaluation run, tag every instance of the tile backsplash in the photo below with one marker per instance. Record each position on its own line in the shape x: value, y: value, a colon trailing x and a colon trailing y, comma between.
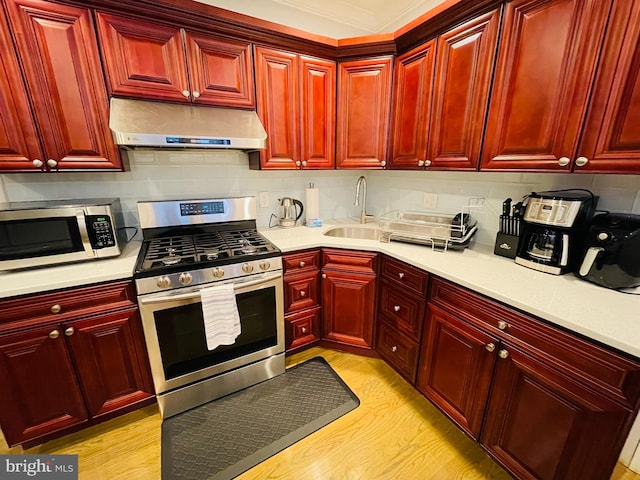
x: 169, y: 174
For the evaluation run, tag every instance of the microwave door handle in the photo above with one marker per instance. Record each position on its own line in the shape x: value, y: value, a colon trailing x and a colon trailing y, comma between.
x: 84, y: 234
x: 196, y: 294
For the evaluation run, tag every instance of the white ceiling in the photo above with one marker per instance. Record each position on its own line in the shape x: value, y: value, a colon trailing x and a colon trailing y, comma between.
x: 333, y: 18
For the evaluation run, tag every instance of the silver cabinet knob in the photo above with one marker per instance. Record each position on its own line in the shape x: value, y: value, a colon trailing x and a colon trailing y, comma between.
x: 564, y: 161
x: 304, y: 329
x: 56, y: 308
x: 490, y: 347
x: 581, y: 161
x: 304, y: 163
x: 394, y: 349
x: 503, y: 354
x: 303, y: 293
x: 218, y: 272
x: 37, y: 163
x: 302, y: 264
x: 185, y: 278
x: 54, y: 334
x: 502, y: 325
x: 52, y: 163
x: 69, y: 331
x: 396, y: 308
x: 163, y: 282
x: 298, y: 163
x: 427, y: 163
x: 196, y: 94
x: 421, y: 163
x: 247, y: 268
x: 383, y: 163
x: 186, y: 93
x: 324, y: 275
x: 401, y: 275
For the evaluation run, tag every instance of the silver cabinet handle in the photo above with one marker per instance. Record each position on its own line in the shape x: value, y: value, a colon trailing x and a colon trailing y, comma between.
x: 304, y: 329
x: 401, y: 275
x: 298, y: 163
x: 303, y: 293
x: 490, y: 347
x: 196, y: 94
x: 324, y: 275
x: 186, y: 93
x: 564, y: 161
x: 503, y: 354
x: 304, y: 163
x: 56, y: 308
x: 37, y: 163
x: 383, y: 163
x: 502, y: 325
x: 581, y: 161
x: 69, y: 331
x: 396, y: 308
x: 421, y: 163
x: 54, y: 334
x: 302, y: 264
x: 52, y: 163
x: 427, y: 163
x: 394, y: 349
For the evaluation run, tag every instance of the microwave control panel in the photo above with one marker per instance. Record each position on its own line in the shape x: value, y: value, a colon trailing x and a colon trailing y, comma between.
x: 100, y: 230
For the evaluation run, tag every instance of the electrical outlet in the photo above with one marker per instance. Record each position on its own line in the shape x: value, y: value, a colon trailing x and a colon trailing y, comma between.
x: 430, y: 201
x: 264, y: 199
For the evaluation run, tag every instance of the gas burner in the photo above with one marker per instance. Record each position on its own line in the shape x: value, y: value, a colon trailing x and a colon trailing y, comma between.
x: 247, y: 247
x: 211, y: 254
x: 170, y: 260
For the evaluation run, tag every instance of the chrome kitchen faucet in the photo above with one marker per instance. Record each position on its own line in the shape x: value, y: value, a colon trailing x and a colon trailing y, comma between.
x: 363, y: 215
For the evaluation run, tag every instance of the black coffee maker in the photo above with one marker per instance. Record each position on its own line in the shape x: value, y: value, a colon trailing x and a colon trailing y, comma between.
x: 611, y: 256
x: 554, y: 227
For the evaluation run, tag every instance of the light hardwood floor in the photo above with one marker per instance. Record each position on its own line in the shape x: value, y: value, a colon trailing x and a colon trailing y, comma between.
x: 395, y: 433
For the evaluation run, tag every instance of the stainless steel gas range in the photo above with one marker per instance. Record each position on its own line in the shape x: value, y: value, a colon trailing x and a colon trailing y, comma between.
x: 188, y: 246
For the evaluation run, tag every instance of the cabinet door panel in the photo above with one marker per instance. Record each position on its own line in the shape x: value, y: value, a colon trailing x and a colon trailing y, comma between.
x: 611, y: 140
x: 543, y: 77
x: 40, y: 393
x: 19, y: 144
x: 455, y: 368
x: 302, y: 328
x: 541, y: 425
x: 412, y: 106
x: 318, y: 112
x: 221, y: 71
x: 277, y: 99
x: 62, y: 68
x: 399, y: 350
x: 465, y: 63
x: 111, y: 360
x: 301, y: 291
x: 143, y: 59
x: 364, y: 94
x: 348, y: 307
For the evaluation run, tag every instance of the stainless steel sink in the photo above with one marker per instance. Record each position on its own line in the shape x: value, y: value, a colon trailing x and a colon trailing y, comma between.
x: 354, y: 232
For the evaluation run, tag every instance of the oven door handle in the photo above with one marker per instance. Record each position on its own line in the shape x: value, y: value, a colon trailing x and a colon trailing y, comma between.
x: 196, y: 294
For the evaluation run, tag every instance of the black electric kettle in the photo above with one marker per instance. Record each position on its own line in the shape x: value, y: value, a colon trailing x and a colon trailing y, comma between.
x: 289, y: 214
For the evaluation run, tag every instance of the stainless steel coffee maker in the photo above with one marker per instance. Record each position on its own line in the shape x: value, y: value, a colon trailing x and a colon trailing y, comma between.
x: 555, y: 224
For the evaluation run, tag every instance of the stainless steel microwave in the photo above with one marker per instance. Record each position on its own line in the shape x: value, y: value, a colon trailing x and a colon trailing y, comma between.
x: 35, y: 234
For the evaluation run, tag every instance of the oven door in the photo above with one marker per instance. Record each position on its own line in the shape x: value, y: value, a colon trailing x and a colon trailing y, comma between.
x: 174, y: 331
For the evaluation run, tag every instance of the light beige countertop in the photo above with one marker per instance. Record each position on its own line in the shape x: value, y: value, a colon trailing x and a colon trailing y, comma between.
x: 24, y: 282
x: 605, y: 315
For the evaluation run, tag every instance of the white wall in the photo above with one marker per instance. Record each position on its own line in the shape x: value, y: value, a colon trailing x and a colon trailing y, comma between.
x: 174, y: 174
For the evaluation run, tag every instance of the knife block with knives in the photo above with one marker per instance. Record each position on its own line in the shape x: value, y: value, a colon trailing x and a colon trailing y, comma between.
x: 510, y: 225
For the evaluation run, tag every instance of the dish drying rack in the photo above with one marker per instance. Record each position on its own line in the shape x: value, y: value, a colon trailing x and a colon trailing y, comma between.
x: 437, y: 230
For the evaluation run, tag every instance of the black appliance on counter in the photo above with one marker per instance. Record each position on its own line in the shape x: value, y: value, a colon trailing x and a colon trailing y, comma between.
x: 555, y: 224
x: 611, y: 255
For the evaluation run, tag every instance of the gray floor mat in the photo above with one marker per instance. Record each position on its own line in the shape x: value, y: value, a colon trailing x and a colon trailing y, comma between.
x: 223, y: 438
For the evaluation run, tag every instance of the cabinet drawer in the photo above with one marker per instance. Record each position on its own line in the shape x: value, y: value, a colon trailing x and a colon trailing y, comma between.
x: 403, y: 310
x: 409, y: 277
x: 302, y: 328
x: 612, y: 373
x: 297, y: 262
x: 399, y: 350
x: 301, y: 291
x: 350, y: 261
x: 62, y: 305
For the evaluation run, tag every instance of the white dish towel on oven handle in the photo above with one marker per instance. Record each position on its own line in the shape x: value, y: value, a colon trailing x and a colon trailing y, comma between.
x: 220, y: 314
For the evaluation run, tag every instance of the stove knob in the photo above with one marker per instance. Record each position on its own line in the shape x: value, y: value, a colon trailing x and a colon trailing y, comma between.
x: 163, y: 282
x: 218, y: 272
x: 264, y: 265
x: 247, y: 268
x: 185, y: 278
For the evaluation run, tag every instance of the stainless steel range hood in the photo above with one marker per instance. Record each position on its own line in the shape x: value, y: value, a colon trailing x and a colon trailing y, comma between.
x: 140, y: 123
